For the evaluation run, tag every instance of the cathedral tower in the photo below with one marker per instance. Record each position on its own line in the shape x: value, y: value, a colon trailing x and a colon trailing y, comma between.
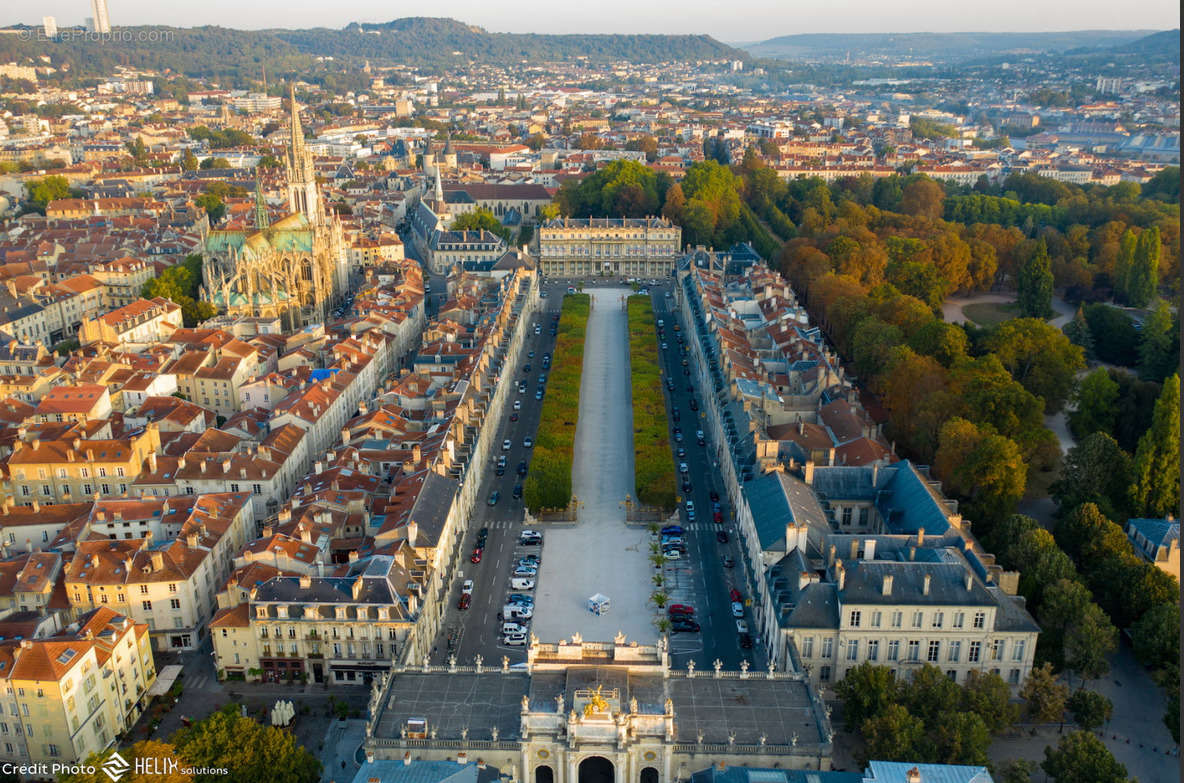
x: 302, y: 182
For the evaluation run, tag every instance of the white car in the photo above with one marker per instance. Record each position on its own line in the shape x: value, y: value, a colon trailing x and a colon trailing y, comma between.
x: 683, y: 468
x: 737, y: 609
x: 526, y: 571
x: 514, y: 639
x: 521, y: 583
x: 672, y: 554
x: 741, y: 626
x: 513, y: 628
x: 506, y: 445
x: 528, y: 442
x: 517, y: 405
x: 466, y: 587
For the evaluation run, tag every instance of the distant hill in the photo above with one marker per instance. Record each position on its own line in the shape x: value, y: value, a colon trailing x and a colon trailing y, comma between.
x: 1166, y: 42
x: 937, y: 47
x: 237, y: 56
x: 412, y: 38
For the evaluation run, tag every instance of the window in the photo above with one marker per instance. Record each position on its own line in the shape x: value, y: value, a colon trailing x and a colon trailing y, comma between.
x: 952, y: 674
x: 959, y: 618
x: 173, y: 588
x: 855, y: 617
x: 914, y: 650
x: 106, y: 489
x: 257, y: 489
x: 853, y: 650
x: 997, y: 650
x: 973, y: 652
x: 938, y: 619
x: 87, y: 489
x: 873, y: 649
x: 119, y: 472
x: 102, y: 472
x: 291, y: 632
x: 828, y: 647
x: 876, y: 619
x: 233, y: 487
x: 934, y: 652
x: 894, y: 650
x: 897, y: 619
x: 980, y: 619
x: 846, y: 516
x: 53, y: 749
x: 1017, y: 651
x: 144, y: 589
x: 188, y: 490
x: 808, y: 647
x: 955, y: 652
x: 824, y: 674
x: 1013, y: 677
x: 863, y: 514
x: 174, y: 603
x: 177, y: 622
x: 917, y: 619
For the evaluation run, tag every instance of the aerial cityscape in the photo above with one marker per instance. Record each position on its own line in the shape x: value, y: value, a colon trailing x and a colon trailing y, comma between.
x: 413, y: 401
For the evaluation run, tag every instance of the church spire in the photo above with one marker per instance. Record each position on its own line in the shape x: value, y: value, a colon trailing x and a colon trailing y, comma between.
x: 297, y: 140
x: 303, y: 195
x: 439, y: 194
x: 261, y: 221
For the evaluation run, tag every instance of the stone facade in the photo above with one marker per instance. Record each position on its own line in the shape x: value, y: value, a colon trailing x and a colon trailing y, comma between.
x: 608, y: 247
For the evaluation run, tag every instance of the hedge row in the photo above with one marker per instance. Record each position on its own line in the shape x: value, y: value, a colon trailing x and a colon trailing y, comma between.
x: 549, y: 483
x: 653, y: 465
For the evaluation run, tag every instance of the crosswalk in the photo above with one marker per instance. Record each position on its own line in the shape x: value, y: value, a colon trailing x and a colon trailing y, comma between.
x: 196, y: 683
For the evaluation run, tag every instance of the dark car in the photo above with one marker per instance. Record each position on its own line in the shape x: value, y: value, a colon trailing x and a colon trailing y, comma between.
x: 526, y: 368
x: 483, y: 532
x: 722, y: 536
x: 513, y: 417
x: 500, y: 470
x: 684, y: 626
x: 728, y: 562
x: 674, y: 414
x: 494, y: 497
x: 714, y: 496
x: 686, y: 370
x: 745, y: 641
x: 522, y: 468
x: 694, y: 404
x: 517, y: 493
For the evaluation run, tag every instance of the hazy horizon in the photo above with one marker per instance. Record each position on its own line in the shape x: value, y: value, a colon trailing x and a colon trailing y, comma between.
x: 743, y: 21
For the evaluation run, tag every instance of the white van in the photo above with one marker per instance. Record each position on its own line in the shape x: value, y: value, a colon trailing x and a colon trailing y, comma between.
x: 517, y: 612
x: 512, y: 628
x: 521, y: 583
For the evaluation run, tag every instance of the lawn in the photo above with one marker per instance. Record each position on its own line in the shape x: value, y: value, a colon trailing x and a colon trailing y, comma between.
x: 549, y: 482
x: 991, y: 313
x: 653, y: 466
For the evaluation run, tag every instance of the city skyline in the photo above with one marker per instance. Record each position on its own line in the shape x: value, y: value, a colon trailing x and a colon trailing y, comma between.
x: 729, y: 23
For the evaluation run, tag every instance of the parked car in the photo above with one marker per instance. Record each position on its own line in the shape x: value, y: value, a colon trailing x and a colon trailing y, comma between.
x: 714, y: 496
x: 737, y: 609
x: 683, y: 468
x: 673, y: 530
x: 745, y: 641
x: 513, y: 628
x: 521, y: 583
x: 520, y: 598
x: 671, y: 554
x: 684, y: 626
x: 526, y: 571
x: 684, y: 609
x: 674, y: 414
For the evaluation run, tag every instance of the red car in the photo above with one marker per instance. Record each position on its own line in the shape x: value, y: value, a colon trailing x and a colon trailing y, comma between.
x: 735, y: 595
x: 680, y: 609
x: 717, y: 517
x: 476, y: 557
x: 464, y: 601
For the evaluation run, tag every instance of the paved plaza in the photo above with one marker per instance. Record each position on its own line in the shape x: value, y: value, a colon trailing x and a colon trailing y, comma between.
x: 599, y: 554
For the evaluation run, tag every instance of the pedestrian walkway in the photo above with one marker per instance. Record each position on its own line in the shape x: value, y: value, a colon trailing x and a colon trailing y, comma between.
x: 342, y: 740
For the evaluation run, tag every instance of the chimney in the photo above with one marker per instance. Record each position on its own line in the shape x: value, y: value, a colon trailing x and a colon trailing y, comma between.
x: 305, y: 581
x: 854, y: 555
x: 152, y: 462
x: 912, y: 553
x: 840, y: 574
x: 226, y: 465
x: 875, y: 472
x: 920, y: 536
x: 830, y: 555
x: 808, y: 476
x: 913, y: 775
x: 407, y: 759
x: 925, y: 584
x: 969, y: 581
x: 36, y: 506
x: 869, y: 549
x: 157, y: 561
x: 886, y: 588
x: 803, y: 580
x: 94, y: 560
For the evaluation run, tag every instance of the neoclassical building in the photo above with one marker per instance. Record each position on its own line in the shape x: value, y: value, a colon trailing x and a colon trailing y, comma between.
x: 295, y: 269
x: 598, y: 712
x: 608, y: 247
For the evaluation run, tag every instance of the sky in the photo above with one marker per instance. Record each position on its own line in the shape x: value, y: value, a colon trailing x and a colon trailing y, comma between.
x: 726, y: 20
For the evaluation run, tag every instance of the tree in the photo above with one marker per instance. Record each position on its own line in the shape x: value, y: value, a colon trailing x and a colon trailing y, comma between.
x: 1116, y: 340
x: 1079, y: 334
x: 213, y: 206
x: 42, y: 191
x: 1090, y: 709
x: 189, y: 161
x: 1041, y: 562
x: 269, y: 161
x: 930, y: 694
x: 1081, y: 757
x: 1089, y: 642
x: 1094, y: 400
x: 1155, y: 637
x: 1096, y: 470
x: 922, y: 197
x: 1159, y: 354
x: 985, y: 468
x: 1143, y: 279
x: 647, y: 144
x: 1045, y: 697
x: 214, y: 163
x: 865, y: 691
x: 253, y: 751
x: 892, y: 735
x: 989, y: 697
x: 961, y: 738
x: 148, y: 749
x: 1040, y: 357
x: 480, y: 220
x: 1156, y: 488
x: 1034, y: 285
x: 1016, y: 771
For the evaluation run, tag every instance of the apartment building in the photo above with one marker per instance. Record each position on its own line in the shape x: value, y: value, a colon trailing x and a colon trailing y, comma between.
x: 123, y: 279
x: 142, y: 322
x: 609, y: 247
x: 66, y: 471
x: 70, y: 695
x: 345, y: 628
x: 166, y: 580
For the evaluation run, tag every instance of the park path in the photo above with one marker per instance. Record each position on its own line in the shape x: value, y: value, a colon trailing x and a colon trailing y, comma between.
x: 952, y: 309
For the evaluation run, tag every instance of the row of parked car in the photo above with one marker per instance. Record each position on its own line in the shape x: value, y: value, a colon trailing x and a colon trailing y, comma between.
x: 519, y: 606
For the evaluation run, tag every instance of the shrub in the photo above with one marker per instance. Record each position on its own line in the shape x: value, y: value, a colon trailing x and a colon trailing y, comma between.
x: 653, y: 465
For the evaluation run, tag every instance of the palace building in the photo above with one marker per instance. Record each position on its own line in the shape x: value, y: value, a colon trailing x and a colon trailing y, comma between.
x: 608, y: 247
x: 295, y: 269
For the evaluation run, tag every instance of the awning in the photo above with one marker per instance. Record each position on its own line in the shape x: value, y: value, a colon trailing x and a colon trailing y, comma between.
x: 164, y: 680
